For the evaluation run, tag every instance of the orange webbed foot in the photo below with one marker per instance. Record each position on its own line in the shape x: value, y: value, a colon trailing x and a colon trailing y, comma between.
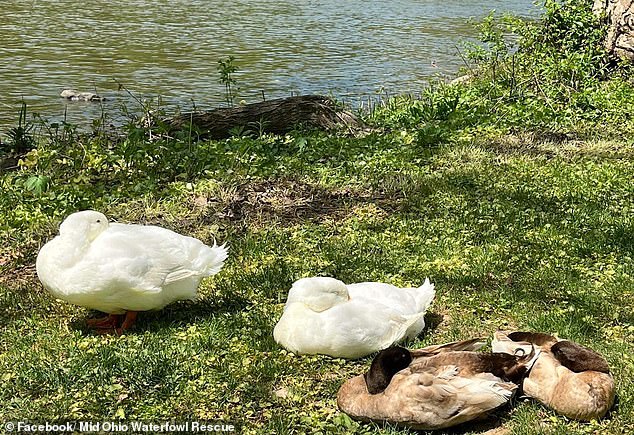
x: 110, y: 321
x: 115, y: 323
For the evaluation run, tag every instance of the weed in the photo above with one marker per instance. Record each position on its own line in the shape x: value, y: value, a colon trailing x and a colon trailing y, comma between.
x: 21, y: 137
x: 226, y: 69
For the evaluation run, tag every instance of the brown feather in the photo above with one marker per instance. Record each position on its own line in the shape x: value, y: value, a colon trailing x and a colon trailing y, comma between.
x: 537, y: 338
x: 579, y: 358
x: 472, y: 344
x: 570, y: 378
x: 440, y: 388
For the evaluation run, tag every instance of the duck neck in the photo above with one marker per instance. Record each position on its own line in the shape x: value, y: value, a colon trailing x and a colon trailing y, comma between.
x: 68, y: 250
x: 355, y: 400
x: 384, y: 366
x: 378, y: 377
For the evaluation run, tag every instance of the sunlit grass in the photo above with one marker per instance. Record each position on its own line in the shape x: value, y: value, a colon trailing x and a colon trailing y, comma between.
x: 534, y: 235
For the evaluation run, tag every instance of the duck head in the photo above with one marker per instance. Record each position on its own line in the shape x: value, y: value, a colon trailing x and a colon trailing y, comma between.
x: 318, y: 294
x: 87, y: 224
x: 384, y: 366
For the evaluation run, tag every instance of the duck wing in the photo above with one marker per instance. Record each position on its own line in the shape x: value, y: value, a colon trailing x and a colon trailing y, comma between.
x: 472, y: 344
x: 350, y: 330
x: 439, y: 397
x: 404, y: 300
x: 147, y: 258
x: 374, y: 325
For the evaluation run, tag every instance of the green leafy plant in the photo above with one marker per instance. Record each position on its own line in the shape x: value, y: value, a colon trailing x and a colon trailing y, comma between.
x: 37, y: 184
x: 226, y: 70
x: 21, y: 137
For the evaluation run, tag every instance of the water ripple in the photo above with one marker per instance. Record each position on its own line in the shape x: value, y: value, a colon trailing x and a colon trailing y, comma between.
x: 171, y: 48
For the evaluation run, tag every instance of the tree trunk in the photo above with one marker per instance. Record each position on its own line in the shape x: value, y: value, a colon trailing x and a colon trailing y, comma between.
x: 273, y: 116
x: 620, y: 18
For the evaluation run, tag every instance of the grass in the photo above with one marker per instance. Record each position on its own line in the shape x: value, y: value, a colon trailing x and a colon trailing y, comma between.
x: 513, y: 195
x: 515, y: 233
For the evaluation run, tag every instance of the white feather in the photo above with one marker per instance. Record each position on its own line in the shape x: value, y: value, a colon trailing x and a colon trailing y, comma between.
x: 325, y: 316
x: 116, y: 268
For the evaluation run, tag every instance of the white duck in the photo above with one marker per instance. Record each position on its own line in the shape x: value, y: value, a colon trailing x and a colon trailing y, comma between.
x: 122, y: 269
x: 325, y: 316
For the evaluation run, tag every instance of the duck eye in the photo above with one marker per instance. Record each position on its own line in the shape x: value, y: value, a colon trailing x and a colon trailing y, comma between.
x: 98, y: 221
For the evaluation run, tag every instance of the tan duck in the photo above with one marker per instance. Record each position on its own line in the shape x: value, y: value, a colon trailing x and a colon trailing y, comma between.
x: 571, y: 379
x: 434, y: 387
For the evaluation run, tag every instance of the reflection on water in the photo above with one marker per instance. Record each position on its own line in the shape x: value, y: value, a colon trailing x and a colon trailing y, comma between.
x: 170, y: 48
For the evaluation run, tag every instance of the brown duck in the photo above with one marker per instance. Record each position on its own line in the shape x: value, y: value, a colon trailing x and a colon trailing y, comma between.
x: 571, y: 379
x: 434, y: 387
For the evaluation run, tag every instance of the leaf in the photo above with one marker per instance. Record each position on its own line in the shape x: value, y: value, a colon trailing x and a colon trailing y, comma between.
x: 37, y: 184
x: 301, y: 143
x: 120, y: 414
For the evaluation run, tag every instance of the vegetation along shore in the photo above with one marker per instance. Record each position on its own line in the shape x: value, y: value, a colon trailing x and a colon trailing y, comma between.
x: 512, y: 190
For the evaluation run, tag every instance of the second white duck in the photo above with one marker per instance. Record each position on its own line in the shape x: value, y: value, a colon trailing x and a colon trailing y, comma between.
x: 325, y: 316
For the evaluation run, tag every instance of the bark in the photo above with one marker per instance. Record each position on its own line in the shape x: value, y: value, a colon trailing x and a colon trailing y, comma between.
x: 273, y: 116
x: 620, y: 19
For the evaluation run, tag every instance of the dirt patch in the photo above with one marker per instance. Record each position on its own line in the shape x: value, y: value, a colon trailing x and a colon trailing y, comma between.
x: 17, y: 276
x: 290, y: 201
x: 17, y: 266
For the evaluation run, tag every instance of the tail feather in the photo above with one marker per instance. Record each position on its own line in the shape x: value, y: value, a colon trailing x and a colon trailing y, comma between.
x: 215, y: 258
x: 402, y: 329
x: 464, y: 345
x: 412, y: 325
x: 425, y: 295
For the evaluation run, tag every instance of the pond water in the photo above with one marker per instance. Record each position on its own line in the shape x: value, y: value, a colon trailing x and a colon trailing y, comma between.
x: 171, y: 48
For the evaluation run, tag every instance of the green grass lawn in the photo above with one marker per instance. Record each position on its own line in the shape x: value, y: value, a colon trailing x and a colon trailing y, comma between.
x: 515, y: 232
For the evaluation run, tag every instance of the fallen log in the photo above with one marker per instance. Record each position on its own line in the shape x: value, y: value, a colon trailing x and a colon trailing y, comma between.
x: 277, y: 116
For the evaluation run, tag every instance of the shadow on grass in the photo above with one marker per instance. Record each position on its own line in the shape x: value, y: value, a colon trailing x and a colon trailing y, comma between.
x: 179, y: 314
x: 432, y: 321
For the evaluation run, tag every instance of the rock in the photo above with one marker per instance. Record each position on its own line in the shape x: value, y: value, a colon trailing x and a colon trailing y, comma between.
x: 620, y: 19
x: 461, y: 79
x: 73, y: 95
